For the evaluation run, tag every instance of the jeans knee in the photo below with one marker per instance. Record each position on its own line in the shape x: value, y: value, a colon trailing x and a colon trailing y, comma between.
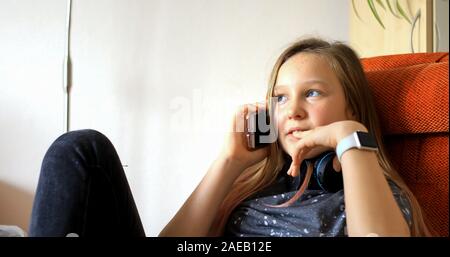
x: 80, y: 136
x: 76, y: 149
x: 79, y: 141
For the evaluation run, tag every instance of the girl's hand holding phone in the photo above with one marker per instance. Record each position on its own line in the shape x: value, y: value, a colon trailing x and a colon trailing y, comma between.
x: 235, y: 147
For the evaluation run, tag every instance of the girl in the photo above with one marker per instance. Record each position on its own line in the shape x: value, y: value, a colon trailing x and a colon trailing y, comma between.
x: 321, y: 99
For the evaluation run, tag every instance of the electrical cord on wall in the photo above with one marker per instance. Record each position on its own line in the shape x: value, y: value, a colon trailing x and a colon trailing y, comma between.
x: 67, y: 71
x: 416, y: 18
x: 413, y: 26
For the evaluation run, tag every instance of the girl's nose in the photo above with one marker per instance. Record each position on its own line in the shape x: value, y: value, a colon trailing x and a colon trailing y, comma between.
x: 296, y: 111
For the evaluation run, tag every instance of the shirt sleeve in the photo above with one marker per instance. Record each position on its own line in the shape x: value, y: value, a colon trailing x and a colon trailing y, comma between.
x: 402, y: 201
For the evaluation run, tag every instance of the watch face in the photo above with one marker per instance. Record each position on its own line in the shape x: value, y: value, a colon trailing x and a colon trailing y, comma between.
x: 366, y: 140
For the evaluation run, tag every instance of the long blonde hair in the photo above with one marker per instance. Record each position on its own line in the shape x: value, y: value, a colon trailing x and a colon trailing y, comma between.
x: 347, y: 67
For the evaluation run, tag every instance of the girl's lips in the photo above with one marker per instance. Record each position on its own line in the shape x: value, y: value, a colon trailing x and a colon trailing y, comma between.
x: 293, y: 129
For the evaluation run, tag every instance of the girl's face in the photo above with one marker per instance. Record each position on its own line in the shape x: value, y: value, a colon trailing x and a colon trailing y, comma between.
x: 308, y: 94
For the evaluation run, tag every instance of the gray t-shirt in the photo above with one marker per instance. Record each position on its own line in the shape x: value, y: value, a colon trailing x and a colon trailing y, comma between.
x: 316, y: 213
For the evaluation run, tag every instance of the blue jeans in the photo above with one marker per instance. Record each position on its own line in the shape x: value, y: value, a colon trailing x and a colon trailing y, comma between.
x: 82, y: 189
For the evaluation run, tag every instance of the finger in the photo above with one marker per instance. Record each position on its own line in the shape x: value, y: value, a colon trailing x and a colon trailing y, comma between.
x: 239, y: 123
x: 242, y: 109
x: 297, y: 134
x: 302, y: 134
x: 251, y: 108
x: 295, y: 157
x: 295, y: 171
x: 336, y: 164
x: 299, y: 153
x: 289, y: 170
x: 243, y: 116
x: 296, y: 162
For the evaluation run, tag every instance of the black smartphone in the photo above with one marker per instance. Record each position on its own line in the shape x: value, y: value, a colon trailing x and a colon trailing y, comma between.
x: 261, y: 130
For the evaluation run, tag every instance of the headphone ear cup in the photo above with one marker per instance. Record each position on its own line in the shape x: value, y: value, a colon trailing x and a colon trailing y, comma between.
x: 327, y: 178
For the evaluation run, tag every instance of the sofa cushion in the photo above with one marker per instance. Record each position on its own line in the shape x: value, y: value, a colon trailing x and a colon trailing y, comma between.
x: 411, y: 96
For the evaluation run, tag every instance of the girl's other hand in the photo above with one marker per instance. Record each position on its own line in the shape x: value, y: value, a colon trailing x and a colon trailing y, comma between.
x: 319, y: 139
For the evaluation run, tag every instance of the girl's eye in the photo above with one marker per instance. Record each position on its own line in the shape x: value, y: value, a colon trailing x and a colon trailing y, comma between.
x: 281, y: 99
x: 311, y: 93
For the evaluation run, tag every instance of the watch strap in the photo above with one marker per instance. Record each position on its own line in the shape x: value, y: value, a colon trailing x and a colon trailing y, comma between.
x: 357, y: 139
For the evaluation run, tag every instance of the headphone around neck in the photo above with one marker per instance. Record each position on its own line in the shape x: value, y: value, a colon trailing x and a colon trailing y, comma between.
x: 324, y: 176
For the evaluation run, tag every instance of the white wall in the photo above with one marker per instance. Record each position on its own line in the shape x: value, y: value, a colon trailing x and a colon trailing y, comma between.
x: 140, y: 69
x: 441, y: 25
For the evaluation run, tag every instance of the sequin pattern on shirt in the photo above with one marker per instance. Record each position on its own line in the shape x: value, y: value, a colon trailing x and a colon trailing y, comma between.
x: 316, y: 214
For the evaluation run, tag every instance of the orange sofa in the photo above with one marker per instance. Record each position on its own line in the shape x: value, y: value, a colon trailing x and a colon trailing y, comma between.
x: 411, y: 96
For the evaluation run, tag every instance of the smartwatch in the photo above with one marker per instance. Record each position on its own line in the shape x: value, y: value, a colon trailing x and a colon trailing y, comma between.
x: 358, y: 139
